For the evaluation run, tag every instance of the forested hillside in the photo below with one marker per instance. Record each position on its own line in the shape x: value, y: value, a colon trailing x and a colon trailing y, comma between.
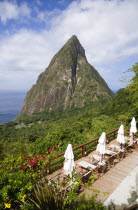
x: 42, y: 131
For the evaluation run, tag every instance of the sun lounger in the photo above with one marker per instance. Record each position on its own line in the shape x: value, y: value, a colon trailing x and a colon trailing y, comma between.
x: 86, y: 165
x: 109, y: 152
x: 120, y: 153
x: 114, y: 147
x: 94, y: 159
x: 85, y: 177
x: 102, y: 167
x: 128, y: 149
x: 110, y: 162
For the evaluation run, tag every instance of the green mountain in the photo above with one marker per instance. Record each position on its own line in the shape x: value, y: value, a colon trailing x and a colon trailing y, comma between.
x: 69, y: 81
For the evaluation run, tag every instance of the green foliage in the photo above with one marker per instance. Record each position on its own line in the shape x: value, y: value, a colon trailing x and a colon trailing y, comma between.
x: 54, y: 194
x: 75, y: 126
x: 132, y: 88
x: 62, y: 195
x: 46, y: 197
x: 18, y: 176
x: 122, y: 118
x: 85, y: 202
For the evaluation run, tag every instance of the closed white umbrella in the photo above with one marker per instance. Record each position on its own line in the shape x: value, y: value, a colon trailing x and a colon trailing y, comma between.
x: 69, y: 161
x: 101, y: 147
x: 120, y: 135
x: 133, y: 128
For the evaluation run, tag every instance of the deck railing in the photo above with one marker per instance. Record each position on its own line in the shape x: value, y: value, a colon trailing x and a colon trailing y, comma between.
x: 82, y: 150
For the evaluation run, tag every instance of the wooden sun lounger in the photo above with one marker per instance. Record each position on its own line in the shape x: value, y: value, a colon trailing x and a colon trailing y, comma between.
x: 86, y: 165
x: 85, y: 177
x: 128, y: 149
x: 95, y: 157
x: 114, y: 147
x: 90, y: 167
x: 109, y: 152
x: 120, y: 153
x: 110, y: 162
x: 114, y: 157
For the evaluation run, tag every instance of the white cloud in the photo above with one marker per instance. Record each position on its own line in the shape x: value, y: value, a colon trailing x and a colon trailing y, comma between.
x: 105, y: 28
x: 108, y: 30
x: 24, y: 55
x: 10, y: 10
x: 24, y: 10
x: 47, y: 16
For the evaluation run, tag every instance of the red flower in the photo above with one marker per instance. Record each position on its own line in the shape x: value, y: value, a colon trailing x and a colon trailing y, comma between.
x: 32, y: 162
x: 55, y: 147
x: 50, y: 150
x: 43, y: 156
x: 29, y: 160
x: 64, y: 183
x: 9, y: 163
x: 38, y: 157
x: 23, y: 167
x: 25, y: 156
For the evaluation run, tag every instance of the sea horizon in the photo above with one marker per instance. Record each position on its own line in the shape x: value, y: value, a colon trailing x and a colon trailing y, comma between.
x: 11, y: 103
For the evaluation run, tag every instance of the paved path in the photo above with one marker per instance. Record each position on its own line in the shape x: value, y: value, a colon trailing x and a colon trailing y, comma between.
x: 113, y: 178
x: 126, y: 193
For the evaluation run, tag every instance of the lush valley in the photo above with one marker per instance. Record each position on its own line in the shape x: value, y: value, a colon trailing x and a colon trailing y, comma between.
x: 44, y: 130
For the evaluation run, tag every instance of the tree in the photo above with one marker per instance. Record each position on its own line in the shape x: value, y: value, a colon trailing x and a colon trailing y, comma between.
x: 132, y: 88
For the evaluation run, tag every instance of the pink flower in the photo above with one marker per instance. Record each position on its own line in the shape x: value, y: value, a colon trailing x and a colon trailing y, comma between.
x: 50, y: 150
x: 29, y: 160
x: 64, y: 183
x: 43, y: 156
x: 23, y: 167
x: 25, y: 156
x: 38, y: 157
x: 32, y: 162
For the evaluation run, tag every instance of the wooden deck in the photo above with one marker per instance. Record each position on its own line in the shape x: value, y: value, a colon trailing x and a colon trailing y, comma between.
x: 112, y: 179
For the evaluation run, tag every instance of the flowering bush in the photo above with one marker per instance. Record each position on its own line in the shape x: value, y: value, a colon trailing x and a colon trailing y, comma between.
x: 63, y: 195
x: 18, y: 176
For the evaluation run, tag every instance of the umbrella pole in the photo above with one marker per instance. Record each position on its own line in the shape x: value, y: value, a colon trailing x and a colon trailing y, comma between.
x: 101, y: 158
x: 133, y: 136
x: 121, y: 145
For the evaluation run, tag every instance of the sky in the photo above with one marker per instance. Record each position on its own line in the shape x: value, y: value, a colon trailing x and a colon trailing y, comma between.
x: 33, y: 31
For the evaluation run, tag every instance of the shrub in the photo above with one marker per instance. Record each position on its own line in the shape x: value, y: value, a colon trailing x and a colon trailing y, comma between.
x: 18, y: 176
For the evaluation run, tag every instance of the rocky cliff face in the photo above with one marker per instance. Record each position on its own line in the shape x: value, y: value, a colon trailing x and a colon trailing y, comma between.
x: 69, y: 81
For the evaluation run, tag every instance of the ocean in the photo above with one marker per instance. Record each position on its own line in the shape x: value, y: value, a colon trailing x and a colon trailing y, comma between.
x: 11, y: 104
